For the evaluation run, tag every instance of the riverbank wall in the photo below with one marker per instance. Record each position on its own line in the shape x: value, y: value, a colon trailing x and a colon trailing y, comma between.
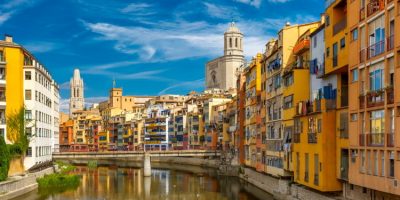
x: 19, y: 185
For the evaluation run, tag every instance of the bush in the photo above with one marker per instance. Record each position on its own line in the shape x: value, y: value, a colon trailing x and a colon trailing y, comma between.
x: 15, y: 150
x: 4, y: 160
x: 57, y: 183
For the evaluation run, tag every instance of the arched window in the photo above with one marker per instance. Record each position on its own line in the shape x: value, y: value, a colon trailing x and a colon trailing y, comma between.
x: 236, y: 42
x: 230, y: 42
x: 240, y: 43
x: 77, y: 92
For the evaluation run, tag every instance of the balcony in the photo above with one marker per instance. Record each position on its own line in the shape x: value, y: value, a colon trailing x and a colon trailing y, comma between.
x: 312, y: 138
x: 375, y: 98
x: 301, y: 46
x: 330, y: 104
x: 375, y: 139
x: 374, y: 6
x: 376, y: 49
x: 361, y: 139
x: 390, y: 140
x: 341, y: 25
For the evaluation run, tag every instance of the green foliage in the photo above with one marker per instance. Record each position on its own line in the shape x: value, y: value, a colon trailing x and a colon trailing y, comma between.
x: 4, y: 160
x: 65, y: 167
x: 14, y: 150
x: 92, y: 164
x: 16, y: 131
x: 57, y: 183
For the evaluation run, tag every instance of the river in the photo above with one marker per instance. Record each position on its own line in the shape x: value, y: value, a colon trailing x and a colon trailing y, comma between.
x: 123, y: 183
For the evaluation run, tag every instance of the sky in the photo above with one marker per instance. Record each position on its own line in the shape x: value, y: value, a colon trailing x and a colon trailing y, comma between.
x: 148, y: 47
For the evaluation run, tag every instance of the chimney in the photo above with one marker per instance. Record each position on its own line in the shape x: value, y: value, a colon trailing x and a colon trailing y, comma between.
x: 8, y: 38
x: 322, y: 18
x: 287, y: 24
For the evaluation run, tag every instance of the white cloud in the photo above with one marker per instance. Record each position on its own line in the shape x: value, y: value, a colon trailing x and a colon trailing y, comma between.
x: 7, y: 10
x: 188, y: 85
x: 221, y: 12
x: 255, y: 3
x: 278, y: 1
x: 42, y: 46
x: 138, y: 9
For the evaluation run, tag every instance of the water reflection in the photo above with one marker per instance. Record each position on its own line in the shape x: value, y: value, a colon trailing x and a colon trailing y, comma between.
x: 129, y: 183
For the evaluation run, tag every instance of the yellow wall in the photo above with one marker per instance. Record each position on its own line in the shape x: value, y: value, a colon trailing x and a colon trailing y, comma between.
x: 14, y: 79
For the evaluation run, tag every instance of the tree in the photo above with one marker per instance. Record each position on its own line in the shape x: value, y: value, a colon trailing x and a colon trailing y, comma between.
x: 4, y: 160
x: 16, y: 131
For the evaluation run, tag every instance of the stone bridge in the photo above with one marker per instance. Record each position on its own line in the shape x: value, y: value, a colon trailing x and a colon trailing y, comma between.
x: 136, y: 154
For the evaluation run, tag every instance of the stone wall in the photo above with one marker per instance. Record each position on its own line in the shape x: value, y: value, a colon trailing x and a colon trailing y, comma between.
x: 21, y: 185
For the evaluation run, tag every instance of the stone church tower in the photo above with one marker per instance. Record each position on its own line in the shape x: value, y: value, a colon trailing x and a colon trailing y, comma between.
x: 76, y: 101
x: 220, y: 72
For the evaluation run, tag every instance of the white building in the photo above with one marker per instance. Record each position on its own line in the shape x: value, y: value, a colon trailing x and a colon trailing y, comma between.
x: 41, y: 98
x: 221, y: 72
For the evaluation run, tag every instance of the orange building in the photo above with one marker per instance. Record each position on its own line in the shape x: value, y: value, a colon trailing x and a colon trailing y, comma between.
x: 373, y: 98
x: 66, y: 135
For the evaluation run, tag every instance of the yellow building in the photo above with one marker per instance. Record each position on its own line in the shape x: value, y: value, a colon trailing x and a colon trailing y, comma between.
x: 314, y: 122
x: 279, y: 64
x: 337, y: 38
x: 12, y: 59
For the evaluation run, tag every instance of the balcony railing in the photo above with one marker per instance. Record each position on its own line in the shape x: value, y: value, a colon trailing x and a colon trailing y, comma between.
x: 375, y: 98
x: 362, y: 13
x: 312, y: 138
x: 376, y: 49
x: 301, y: 46
x: 361, y: 139
x: 2, y: 98
x: 341, y: 25
x: 390, y: 140
x: 375, y: 139
x: 374, y: 6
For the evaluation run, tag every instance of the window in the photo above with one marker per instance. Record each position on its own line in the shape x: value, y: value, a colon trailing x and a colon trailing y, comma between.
x: 315, y: 40
x: 354, y: 34
x: 327, y: 20
x: 288, y: 102
x: 376, y: 161
x: 28, y: 75
x: 376, y: 77
x: 354, y: 117
x: 319, y: 125
x: 327, y: 52
x: 28, y: 131
x: 377, y: 121
x: 28, y: 94
x: 288, y: 80
x: 306, y: 168
x: 362, y: 165
x: 29, y: 152
x: 391, y: 164
x: 354, y: 75
x: 28, y: 114
x: 342, y: 43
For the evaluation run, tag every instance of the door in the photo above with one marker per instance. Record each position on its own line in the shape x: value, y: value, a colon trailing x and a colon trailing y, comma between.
x: 344, y: 164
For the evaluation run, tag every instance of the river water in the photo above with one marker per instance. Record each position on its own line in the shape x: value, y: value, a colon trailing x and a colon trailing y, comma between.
x: 172, y: 184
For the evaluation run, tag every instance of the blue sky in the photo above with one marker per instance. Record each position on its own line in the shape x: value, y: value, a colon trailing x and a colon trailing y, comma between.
x: 148, y: 47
